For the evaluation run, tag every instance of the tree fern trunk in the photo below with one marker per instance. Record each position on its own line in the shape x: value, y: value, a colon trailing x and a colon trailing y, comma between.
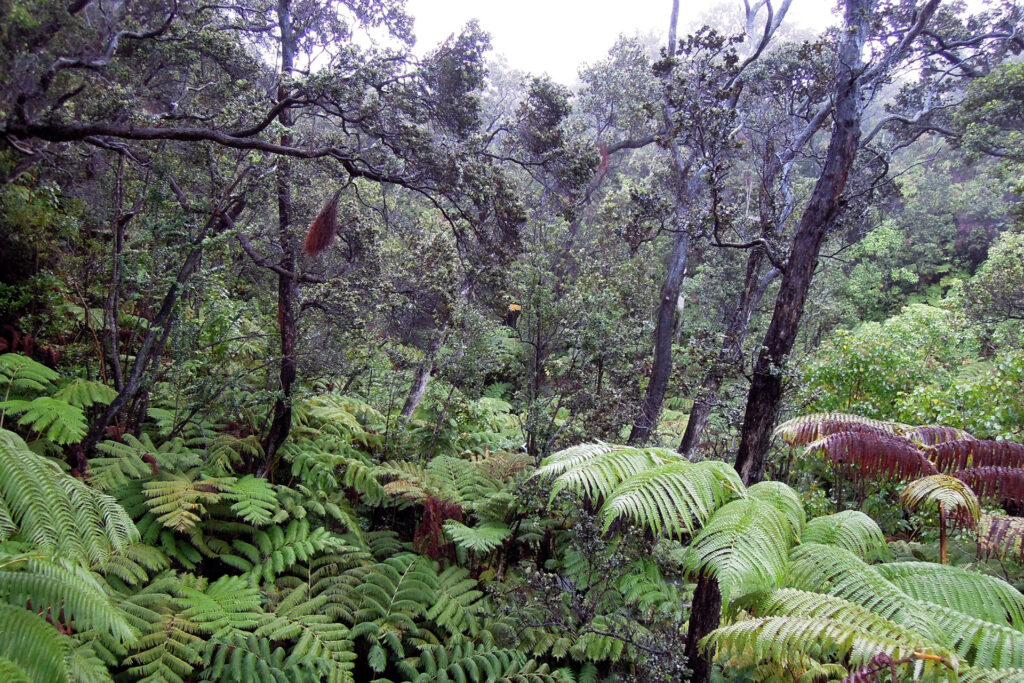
x: 705, y: 615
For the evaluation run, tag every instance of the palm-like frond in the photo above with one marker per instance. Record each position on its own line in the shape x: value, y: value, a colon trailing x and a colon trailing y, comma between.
x: 873, y: 455
x: 782, y: 498
x: 930, y: 435
x: 256, y: 500
x: 970, y: 592
x: 745, y: 546
x: 980, y: 642
x: 1000, y: 535
x: 946, y: 492
x: 851, y: 530
x: 20, y: 373
x: 480, y: 539
x: 56, y: 512
x: 51, y: 418
x: 180, y: 500
x: 594, y: 470
x: 969, y: 453
x: 85, y: 393
x: 791, y: 640
x: 805, y: 429
x: 674, y: 499
x: 64, y: 592
x: 980, y: 675
x: 31, y: 646
x: 998, y: 484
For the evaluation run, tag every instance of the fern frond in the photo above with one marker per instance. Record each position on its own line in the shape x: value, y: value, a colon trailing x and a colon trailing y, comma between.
x: 970, y: 592
x: 21, y: 373
x: 223, y: 608
x: 277, y: 549
x: 250, y: 658
x: 1000, y: 536
x: 85, y: 393
x: 256, y: 501
x: 456, y: 606
x: 178, y: 500
x: 980, y: 642
x: 873, y: 455
x: 169, y: 653
x: 782, y: 498
x: 56, y: 512
x: 1000, y: 485
x: 946, y: 492
x: 481, y: 539
x: 851, y: 530
x: 674, y: 498
x: 979, y: 675
x: 595, y: 469
x: 32, y: 646
x: 835, y: 571
x: 806, y: 429
x: 969, y: 453
x: 931, y: 435
x: 60, y: 422
x: 67, y: 593
x: 745, y: 546
x: 788, y: 640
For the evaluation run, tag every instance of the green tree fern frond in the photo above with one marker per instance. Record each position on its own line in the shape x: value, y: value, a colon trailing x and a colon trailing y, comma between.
x: 456, y: 605
x: 481, y: 539
x: 970, y: 592
x: 595, y: 470
x: 851, y: 530
x: 168, y: 653
x: 56, y: 512
x: 276, y: 549
x: 945, y: 491
x: 745, y: 546
x: 674, y: 499
x: 53, y: 419
x: 85, y: 393
x: 66, y: 593
x: 179, y: 500
x: 790, y: 641
x: 980, y: 675
x: 32, y: 647
x: 256, y: 501
x: 782, y: 498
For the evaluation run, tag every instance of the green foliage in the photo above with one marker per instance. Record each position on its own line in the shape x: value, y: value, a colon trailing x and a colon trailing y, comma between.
x: 481, y: 539
x: 851, y: 530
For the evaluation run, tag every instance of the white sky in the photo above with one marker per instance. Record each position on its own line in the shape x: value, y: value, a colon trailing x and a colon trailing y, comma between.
x: 557, y: 36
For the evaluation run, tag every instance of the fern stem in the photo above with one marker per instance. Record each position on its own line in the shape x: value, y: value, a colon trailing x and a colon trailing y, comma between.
x: 942, y: 535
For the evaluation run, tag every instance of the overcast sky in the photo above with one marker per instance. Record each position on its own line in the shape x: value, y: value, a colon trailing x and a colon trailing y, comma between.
x: 556, y: 36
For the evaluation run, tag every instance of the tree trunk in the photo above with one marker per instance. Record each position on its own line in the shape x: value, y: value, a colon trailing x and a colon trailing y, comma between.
x: 705, y: 614
x: 661, y: 370
x: 287, y: 285
x: 765, y: 393
x: 731, y: 353
x: 419, y: 385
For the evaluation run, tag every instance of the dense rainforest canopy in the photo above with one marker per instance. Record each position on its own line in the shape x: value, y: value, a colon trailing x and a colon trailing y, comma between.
x: 323, y: 358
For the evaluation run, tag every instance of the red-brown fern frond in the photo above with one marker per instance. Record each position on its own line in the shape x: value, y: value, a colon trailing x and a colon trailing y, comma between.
x: 931, y: 435
x: 807, y: 428
x: 1000, y: 536
x: 874, y: 456
x: 999, y: 484
x: 323, y: 228
x: 427, y: 538
x: 971, y: 453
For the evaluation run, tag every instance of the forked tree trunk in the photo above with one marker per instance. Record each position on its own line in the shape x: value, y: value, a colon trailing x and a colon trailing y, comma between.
x: 765, y: 393
x: 419, y: 384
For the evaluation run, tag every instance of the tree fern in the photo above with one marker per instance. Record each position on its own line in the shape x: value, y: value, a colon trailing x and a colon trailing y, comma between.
x: 594, y: 470
x: 951, y: 496
x: 952, y: 456
x: 457, y: 605
x: 480, y: 539
x: 58, y: 513
x: 249, y: 658
x: 168, y: 653
x: 64, y: 592
x: 674, y: 499
x: 970, y: 592
x: 806, y: 429
x: 782, y: 498
x: 256, y: 501
x: 179, y: 500
x: 873, y: 455
x: 51, y: 418
x: 1001, y: 485
x: 790, y: 641
x: 85, y: 393
x: 31, y: 648
x: 20, y: 374
x: 745, y: 546
x: 980, y: 642
x: 1000, y: 536
x: 851, y: 530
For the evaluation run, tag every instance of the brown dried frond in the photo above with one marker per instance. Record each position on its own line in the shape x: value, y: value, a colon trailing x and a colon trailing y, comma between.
x: 1000, y: 484
x: 1000, y: 536
x: 971, y: 453
x: 931, y: 435
x: 807, y: 428
x: 874, y: 455
x: 323, y: 228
